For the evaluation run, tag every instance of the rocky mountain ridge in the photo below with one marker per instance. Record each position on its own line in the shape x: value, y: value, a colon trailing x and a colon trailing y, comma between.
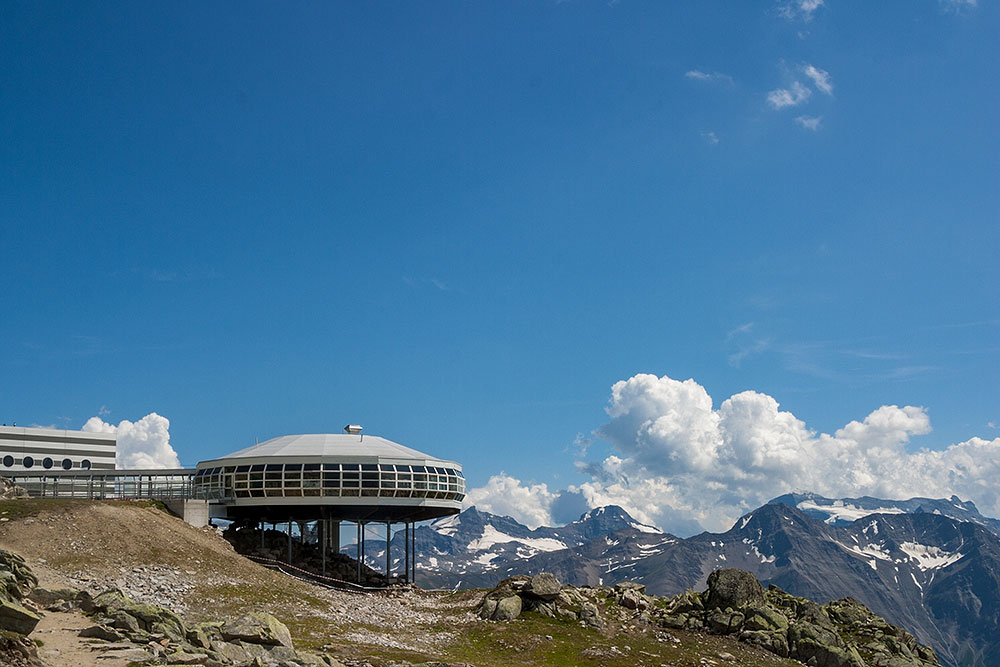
x: 845, y: 511
x: 842, y: 633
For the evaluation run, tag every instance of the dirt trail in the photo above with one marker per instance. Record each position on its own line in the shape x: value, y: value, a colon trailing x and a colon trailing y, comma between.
x: 60, y: 645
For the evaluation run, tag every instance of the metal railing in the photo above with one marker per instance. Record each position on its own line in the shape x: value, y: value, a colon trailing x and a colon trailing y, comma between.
x: 176, y: 483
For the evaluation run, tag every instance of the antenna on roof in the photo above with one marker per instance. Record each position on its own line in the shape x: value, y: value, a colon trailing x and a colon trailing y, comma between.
x: 353, y: 429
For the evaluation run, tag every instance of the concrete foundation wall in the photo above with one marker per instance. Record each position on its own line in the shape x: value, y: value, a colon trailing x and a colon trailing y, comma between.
x: 194, y: 512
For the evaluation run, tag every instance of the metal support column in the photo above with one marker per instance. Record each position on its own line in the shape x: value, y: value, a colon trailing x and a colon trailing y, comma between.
x: 321, y: 540
x: 289, y: 541
x: 388, y: 551
x: 260, y: 525
x: 359, y: 553
x: 406, y: 550
x: 413, y: 550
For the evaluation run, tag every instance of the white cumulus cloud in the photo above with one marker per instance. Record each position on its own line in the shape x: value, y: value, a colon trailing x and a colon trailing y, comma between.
x: 678, y: 458
x: 792, y: 96
x: 141, y: 444
x: 505, y: 495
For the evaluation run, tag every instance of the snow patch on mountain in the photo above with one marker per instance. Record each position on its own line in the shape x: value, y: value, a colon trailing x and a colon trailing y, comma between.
x: 840, y: 511
x: 929, y: 557
x: 645, y: 528
x: 493, y: 536
x: 868, y: 551
x: 447, y: 526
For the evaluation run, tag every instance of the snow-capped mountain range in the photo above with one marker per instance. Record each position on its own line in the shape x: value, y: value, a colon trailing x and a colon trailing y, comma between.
x: 470, y: 549
x: 932, y: 566
x: 845, y: 511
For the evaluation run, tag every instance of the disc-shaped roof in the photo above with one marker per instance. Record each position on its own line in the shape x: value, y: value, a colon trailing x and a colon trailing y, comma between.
x: 328, y: 445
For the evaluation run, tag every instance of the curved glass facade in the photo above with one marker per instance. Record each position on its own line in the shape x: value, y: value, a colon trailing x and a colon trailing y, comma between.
x: 339, y: 480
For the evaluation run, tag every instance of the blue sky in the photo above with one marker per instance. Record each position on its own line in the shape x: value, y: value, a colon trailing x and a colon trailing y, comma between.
x: 460, y: 224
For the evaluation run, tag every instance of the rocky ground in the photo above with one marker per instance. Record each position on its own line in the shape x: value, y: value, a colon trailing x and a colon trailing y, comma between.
x: 183, y: 587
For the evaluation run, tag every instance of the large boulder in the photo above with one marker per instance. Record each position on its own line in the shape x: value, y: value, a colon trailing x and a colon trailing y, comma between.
x: 257, y: 628
x: 733, y: 588
x: 15, y: 618
x: 544, y: 586
x: 766, y: 619
x: 508, y: 608
x: 590, y: 615
x: 623, y: 586
x: 110, y: 601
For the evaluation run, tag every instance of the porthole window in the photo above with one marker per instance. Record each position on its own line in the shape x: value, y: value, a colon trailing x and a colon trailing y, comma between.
x: 8, y: 460
x: 46, y: 463
x: 85, y: 464
x: 28, y: 462
x: 67, y: 464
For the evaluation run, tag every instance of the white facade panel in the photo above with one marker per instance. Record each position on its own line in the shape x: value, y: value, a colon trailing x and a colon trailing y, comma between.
x: 54, y: 449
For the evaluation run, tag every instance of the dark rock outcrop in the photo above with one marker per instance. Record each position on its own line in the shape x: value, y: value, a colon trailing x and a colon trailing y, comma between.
x: 734, y: 588
x: 16, y: 581
x: 843, y: 633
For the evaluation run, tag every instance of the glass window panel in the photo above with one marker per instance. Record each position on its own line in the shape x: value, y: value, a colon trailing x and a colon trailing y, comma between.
x: 349, y: 466
x: 311, y: 466
x: 331, y: 466
x: 369, y: 466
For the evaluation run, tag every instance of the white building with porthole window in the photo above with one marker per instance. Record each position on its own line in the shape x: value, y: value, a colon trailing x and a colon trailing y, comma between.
x: 53, y: 449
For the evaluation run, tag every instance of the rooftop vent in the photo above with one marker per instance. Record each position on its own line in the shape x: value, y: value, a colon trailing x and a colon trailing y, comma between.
x: 353, y: 429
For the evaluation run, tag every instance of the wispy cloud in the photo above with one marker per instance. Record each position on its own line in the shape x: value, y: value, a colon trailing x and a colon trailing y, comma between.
x: 958, y: 6
x: 180, y: 275
x: 708, y: 77
x: 747, y: 344
x: 799, y: 9
x: 750, y: 349
x: 792, y: 96
x: 809, y: 122
x: 820, y: 78
x: 742, y: 329
x: 711, y: 137
x: 432, y: 282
